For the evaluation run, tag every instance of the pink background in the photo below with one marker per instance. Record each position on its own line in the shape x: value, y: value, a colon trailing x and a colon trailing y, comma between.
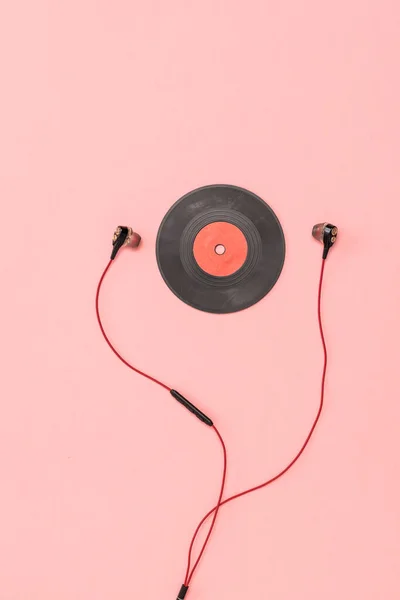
x: 110, y: 111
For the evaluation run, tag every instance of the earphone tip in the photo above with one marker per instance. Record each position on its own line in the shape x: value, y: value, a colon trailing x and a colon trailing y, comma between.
x: 134, y: 239
x: 318, y: 231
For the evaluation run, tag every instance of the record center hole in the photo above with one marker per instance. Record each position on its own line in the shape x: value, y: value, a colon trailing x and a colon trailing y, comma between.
x: 219, y: 249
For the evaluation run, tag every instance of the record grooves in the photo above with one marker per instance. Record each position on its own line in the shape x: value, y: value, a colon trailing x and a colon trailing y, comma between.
x: 220, y: 248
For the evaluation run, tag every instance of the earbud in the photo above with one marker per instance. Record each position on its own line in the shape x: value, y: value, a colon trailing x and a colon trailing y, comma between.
x: 124, y: 236
x: 326, y: 234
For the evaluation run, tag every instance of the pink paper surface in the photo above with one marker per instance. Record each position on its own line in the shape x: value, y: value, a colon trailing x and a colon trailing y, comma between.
x: 111, y: 111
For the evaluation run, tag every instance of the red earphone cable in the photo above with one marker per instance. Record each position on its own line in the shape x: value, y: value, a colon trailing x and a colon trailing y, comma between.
x: 160, y: 383
x: 110, y: 344
x: 215, y: 510
x: 188, y: 576
x: 300, y: 452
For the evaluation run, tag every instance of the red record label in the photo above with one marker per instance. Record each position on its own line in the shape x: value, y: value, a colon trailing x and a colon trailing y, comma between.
x: 220, y: 248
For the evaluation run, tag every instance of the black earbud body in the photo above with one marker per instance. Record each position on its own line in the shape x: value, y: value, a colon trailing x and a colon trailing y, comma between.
x: 326, y: 234
x: 124, y: 236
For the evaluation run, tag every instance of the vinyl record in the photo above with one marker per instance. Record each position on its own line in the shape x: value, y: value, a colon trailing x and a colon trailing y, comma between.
x: 220, y: 248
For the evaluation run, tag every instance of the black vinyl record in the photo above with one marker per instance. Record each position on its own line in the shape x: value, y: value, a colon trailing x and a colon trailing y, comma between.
x: 220, y: 248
